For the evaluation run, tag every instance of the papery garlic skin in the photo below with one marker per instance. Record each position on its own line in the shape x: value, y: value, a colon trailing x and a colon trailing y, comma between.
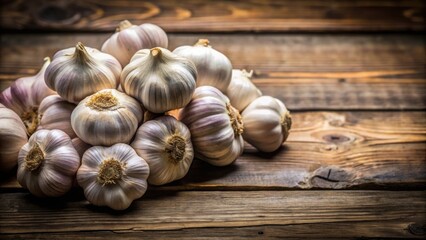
x: 165, y: 144
x: 159, y: 79
x: 47, y: 164
x: 241, y: 91
x: 80, y: 146
x: 113, y: 176
x: 12, y: 137
x: 215, y: 126
x: 267, y: 123
x: 213, y: 67
x: 76, y: 73
x: 130, y: 38
x: 25, y: 95
x: 106, y: 117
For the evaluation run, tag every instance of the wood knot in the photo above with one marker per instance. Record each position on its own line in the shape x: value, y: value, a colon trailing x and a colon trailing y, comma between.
x: 336, y: 138
x: 417, y: 229
x: 331, y: 177
x: 57, y: 14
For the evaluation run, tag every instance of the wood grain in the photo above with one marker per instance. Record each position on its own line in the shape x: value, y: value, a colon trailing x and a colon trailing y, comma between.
x: 326, y: 150
x: 215, y: 16
x: 369, y: 213
x: 307, y: 72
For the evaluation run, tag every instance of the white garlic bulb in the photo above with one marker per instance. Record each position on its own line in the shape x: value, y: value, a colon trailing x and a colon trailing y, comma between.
x: 158, y: 78
x: 76, y: 73
x: 47, y: 164
x: 215, y: 126
x: 241, y: 91
x: 106, y: 117
x: 25, y: 95
x: 267, y: 123
x: 130, y: 38
x: 113, y: 176
x: 12, y: 137
x: 213, y: 67
x: 165, y: 144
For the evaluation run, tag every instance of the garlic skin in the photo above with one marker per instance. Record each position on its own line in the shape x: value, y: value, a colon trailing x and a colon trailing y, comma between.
x: 76, y: 73
x: 130, y: 38
x: 113, y: 176
x: 241, y: 91
x: 215, y: 126
x: 25, y: 95
x: 106, y: 117
x: 165, y: 144
x: 213, y: 67
x: 47, y: 164
x: 159, y: 79
x: 12, y: 137
x: 267, y: 123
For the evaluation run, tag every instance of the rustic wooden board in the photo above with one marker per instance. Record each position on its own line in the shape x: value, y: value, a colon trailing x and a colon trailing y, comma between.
x: 239, y: 214
x: 215, y: 16
x: 308, y: 72
x: 329, y: 150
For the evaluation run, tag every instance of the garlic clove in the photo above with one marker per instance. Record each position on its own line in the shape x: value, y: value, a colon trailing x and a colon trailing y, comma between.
x: 12, y: 137
x: 76, y: 73
x: 113, y: 176
x: 165, y: 144
x: 267, y: 123
x: 106, y: 117
x: 215, y: 126
x: 159, y: 79
x: 241, y: 91
x: 48, y: 163
x: 213, y: 67
x: 130, y: 38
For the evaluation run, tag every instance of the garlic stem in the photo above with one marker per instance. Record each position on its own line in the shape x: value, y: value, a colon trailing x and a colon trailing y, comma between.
x: 81, y: 54
x: 203, y: 42
x: 102, y: 101
x: 175, y: 148
x: 34, y: 158
x: 123, y: 25
x: 236, y: 120
x: 247, y: 74
x: 110, y: 171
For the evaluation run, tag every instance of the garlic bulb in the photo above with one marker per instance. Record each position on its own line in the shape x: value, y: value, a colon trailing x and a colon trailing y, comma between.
x: 106, y: 117
x: 267, y: 123
x: 165, y: 144
x: 25, y: 95
x: 158, y: 78
x: 113, y: 176
x: 241, y: 91
x: 12, y: 137
x: 130, y: 38
x: 47, y: 164
x: 214, y: 68
x: 76, y: 73
x: 215, y: 126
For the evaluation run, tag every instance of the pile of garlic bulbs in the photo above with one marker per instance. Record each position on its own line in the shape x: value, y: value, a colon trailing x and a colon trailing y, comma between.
x: 134, y: 113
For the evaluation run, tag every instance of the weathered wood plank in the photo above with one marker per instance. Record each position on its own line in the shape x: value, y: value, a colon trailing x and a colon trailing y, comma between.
x: 328, y: 150
x: 273, y: 213
x: 308, y: 72
x: 216, y: 16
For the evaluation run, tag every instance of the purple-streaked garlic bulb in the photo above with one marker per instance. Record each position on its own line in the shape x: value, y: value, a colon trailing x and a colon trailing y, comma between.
x: 165, y: 144
x: 216, y: 127
x: 12, y: 137
x: 267, y: 123
x: 76, y: 73
x: 25, y: 95
x: 159, y: 79
x: 113, y: 176
x: 213, y: 67
x: 241, y: 91
x: 106, y: 117
x: 48, y: 163
x: 129, y: 38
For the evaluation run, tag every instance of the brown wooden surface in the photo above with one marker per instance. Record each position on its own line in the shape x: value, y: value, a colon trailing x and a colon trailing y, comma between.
x: 215, y: 16
x: 352, y: 73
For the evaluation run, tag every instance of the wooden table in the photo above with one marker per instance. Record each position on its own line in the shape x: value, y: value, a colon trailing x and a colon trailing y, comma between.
x: 352, y: 73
